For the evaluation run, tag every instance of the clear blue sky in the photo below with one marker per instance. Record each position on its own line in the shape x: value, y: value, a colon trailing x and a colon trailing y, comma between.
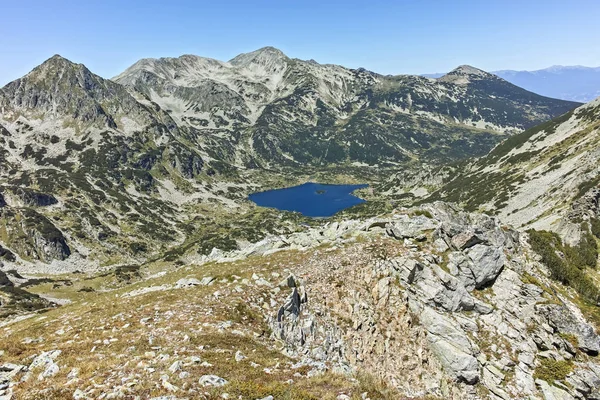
x: 390, y: 37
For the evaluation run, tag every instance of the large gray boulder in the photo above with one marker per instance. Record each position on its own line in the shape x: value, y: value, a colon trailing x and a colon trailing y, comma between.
x: 566, y: 322
x: 466, y: 239
x: 487, y: 263
x: 552, y: 392
x: 406, y: 227
x: 451, y: 346
x: 585, y: 381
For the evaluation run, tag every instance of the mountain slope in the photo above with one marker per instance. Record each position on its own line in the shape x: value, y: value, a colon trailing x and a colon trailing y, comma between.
x: 116, y: 167
x: 545, y: 177
x: 277, y: 110
x: 428, y: 303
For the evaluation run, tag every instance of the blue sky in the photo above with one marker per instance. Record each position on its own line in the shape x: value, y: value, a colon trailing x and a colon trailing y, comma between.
x: 390, y: 37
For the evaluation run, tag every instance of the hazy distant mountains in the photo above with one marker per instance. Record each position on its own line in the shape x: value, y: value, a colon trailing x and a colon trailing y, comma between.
x: 575, y: 83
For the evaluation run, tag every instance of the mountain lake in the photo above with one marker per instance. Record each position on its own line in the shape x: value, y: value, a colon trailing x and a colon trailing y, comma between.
x: 310, y: 199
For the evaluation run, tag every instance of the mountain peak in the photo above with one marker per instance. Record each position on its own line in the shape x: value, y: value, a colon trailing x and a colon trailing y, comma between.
x: 57, y: 57
x: 261, y: 56
x: 61, y: 88
x: 57, y: 60
x: 53, y: 67
x: 468, y: 69
x: 464, y: 74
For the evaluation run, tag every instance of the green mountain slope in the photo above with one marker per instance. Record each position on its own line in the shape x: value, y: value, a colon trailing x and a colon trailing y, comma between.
x: 545, y: 177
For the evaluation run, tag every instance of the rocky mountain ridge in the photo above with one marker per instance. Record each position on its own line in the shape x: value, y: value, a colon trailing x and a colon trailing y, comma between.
x: 292, y: 111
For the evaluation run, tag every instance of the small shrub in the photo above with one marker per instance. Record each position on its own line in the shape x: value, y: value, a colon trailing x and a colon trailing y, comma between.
x: 585, y: 254
x: 568, y: 269
x: 424, y: 213
x: 551, y: 370
x: 569, y: 337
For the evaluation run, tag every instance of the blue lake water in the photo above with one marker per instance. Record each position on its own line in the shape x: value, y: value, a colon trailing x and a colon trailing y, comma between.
x: 310, y: 199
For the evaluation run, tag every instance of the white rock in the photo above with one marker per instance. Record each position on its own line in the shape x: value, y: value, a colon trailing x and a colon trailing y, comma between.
x: 73, y: 374
x: 211, y: 380
x: 239, y: 356
x: 184, y: 375
x: 207, y: 280
x: 79, y: 395
x: 169, y: 386
x: 176, y: 366
x: 187, y: 282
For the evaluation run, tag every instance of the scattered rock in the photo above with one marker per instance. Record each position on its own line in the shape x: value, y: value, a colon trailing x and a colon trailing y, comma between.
x: 187, y: 282
x: 176, y: 366
x: 239, y: 356
x: 207, y: 280
x: 211, y: 380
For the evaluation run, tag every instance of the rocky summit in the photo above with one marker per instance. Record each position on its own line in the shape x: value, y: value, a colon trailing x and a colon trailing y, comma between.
x: 134, y: 266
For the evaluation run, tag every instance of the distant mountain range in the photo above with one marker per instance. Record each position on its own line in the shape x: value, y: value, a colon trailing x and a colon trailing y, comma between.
x: 121, y: 158
x: 287, y: 111
x: 575, y: 83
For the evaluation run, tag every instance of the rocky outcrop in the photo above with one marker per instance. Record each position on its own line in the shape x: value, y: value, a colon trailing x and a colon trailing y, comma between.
x: 570, y: 322
x: 16, y: 196
x: 186, y: 161
x: 33, y: 236
x: 14, y: 300
x: 406, y: 227
x: 305, y: 335
x: 582, y: 209
x: 457, y: 297
x: 43, y: 365
x: 450, y: 344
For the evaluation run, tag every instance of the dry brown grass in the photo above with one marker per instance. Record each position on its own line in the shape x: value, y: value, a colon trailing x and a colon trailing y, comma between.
x: 102, y: 335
